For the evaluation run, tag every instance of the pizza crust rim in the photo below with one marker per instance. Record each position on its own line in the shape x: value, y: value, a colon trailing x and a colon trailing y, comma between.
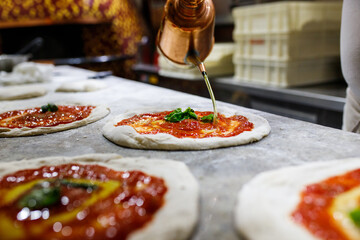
x: 259, y: 200
x: 128, y: 137
x: 180, y: 219
x: 96, y: 114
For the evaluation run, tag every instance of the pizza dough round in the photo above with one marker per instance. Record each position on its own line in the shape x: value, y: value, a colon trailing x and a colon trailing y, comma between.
x: 28, y: 72
x: 96, y: 114
x: 81, y: 86
x: 175, y: 220
x: 22, y: 92
x: 128, y: 137
x: 264, y: 205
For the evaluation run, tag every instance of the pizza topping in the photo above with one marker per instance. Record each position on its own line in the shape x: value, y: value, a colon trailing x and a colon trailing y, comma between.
x: 72, y: 200
x: 355, y: 216
x: 154, y: 123
x: 42, y: 197
x: 177, y: 115
x: 208, y: 118
x: 87, y: 186
x: 47, y: 193
x: 49, y: 107
x: 330, y: 209
x: 36, y: 117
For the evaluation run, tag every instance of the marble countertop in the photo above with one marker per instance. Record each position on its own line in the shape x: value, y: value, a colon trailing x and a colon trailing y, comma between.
x: 220, y: 172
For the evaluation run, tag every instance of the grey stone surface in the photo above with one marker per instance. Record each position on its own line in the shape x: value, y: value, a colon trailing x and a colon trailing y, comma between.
x: 220, y: 172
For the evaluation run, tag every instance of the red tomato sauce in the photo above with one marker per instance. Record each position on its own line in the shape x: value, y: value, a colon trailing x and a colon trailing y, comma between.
x: 126, y: 209
x: 189, y: 128
x: 316, y: 199
x: 34, y: 117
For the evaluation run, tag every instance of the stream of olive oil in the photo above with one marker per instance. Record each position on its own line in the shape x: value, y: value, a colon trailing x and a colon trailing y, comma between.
x: 201, y: 66
x: 211, y: 95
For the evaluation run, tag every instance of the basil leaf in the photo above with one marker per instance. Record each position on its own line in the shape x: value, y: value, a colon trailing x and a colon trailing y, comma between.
x: 174, y: 116
x: 191, y: 113
x: 40, y: 198
x: 177, y: 115
x: 44, y: 195
x: 49, y: 107
x: 78, y: 185
x: 44, y: 108
x: 208, y: 118
x: 52, y: 107
x: 355, y: 216
x: 178, y: 110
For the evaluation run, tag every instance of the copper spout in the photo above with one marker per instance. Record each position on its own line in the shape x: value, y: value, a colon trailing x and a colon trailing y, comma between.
x: 187, y: 29
x: 191, y: 9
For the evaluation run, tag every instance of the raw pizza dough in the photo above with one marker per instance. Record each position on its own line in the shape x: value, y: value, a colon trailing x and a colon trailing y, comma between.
x: 28, y: 72
x: 96, y: 114
x: 22, y: 92
x: 82, y: 86
x: 128, y: 137
x: 175, y: 220
x: 264, y: 205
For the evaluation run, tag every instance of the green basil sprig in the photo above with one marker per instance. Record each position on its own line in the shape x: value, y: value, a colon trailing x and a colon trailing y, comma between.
x: 177, y: 115
x: 48, y: 193
x: 40, y: 198
x: 208, y: 118
x: 355, y: 216
x: 78, y: 185
x: 50, y: 107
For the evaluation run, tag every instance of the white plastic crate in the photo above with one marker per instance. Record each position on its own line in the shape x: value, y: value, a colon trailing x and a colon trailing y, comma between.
x: 288, y: 73
x: 291, y: 46
x: 285, y: 17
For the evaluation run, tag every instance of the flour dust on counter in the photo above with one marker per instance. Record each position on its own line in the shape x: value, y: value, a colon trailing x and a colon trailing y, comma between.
x: 183, y: 128
x: 97, y: 196
x: 314, y: 201
x: 36, y: 118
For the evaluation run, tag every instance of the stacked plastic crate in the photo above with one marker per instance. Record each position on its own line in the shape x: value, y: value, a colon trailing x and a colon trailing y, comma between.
x: 287, y: 43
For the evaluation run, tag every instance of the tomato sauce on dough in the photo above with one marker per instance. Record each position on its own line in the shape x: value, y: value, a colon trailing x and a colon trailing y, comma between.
x: 153, y: 123
x: 313, y: 210
x: 34, y: 117
x: 123, y: 202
